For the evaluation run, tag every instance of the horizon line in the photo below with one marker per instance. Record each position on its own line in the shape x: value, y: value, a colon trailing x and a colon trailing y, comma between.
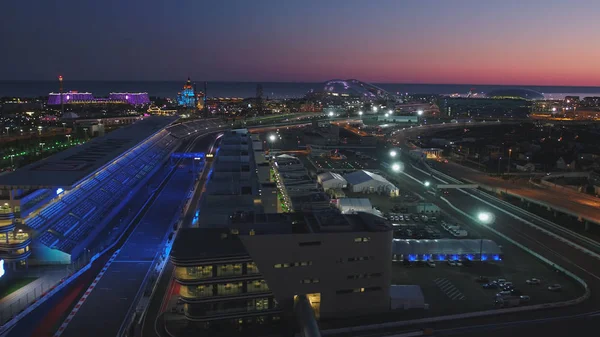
x: 313, y: 82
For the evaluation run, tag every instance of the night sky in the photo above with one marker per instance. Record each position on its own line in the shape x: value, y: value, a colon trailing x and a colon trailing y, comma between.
x: 539, y: 42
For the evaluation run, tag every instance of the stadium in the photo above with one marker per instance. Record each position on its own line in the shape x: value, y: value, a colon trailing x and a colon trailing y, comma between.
x: 74, y: 97
x: 53, y: 210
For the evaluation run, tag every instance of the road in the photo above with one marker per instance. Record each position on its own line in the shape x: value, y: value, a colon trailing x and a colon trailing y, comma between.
x: 150, y: 326
x: 579, y: 203
x: 114, y: 296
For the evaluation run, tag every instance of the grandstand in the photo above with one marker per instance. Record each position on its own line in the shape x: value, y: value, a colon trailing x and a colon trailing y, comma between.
x: 65, y: 200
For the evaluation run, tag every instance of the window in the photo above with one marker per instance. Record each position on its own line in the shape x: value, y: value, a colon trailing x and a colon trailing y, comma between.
x: 365, y: 239
x: 229, y: 269
x: 357, y: 290
x: 293, y: 264
x: 309, y: 243
x: 361, y: 258
x: 309, y: 281
x: 361, y: 276
x: 252, y: 268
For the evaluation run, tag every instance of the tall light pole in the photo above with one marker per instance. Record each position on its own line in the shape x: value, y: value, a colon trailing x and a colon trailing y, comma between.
x: 509, y: 155
x: 7, y: 130
x: 64, y: 127
x: 62, y: 105
x: 69, y: 138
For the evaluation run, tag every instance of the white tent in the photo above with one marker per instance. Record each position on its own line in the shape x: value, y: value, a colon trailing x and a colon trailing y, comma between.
x: 351, y: 205
x: 368, y: 182
x: 331, y: 180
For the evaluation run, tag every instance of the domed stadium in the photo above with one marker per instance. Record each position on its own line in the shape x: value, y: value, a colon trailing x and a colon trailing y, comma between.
x: 516, y: 93
x: 353, y: 88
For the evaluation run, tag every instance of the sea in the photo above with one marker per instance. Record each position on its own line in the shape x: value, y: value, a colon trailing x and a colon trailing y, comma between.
x: 277, y: 90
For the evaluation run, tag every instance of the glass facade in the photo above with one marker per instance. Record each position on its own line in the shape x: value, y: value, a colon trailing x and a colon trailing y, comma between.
x: 229, y: 270
x: 251, y: 268
x: 229, y: 307
x: 194, y: 273
x: 257, y: 286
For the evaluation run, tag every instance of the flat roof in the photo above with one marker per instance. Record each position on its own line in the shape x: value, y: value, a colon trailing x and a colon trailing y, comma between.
x: 204, y: 243
x: 69, y: 167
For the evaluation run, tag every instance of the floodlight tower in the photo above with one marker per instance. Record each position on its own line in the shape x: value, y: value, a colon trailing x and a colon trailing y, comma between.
x: 62, y: 105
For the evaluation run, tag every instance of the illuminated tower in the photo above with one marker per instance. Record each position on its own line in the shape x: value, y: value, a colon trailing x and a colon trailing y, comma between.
x: 62, y: 105
x: 187, y: 97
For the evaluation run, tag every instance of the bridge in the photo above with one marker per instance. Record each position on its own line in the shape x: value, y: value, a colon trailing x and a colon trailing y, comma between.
x: 194, y: 156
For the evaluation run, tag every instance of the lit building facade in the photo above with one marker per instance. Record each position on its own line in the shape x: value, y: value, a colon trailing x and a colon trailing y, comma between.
x: 187, y: 97
x: 74, y: 97
x: 253, y: 272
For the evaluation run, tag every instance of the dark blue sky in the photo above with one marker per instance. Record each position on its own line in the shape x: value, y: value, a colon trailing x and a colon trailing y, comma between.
x: 547, y: 42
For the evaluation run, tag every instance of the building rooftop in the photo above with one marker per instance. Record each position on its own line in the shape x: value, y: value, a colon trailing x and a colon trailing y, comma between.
x: 65, y: 169
x: 205, y: 243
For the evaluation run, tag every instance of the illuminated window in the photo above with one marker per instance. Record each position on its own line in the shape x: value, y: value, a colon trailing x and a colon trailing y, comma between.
x: 365, y: 239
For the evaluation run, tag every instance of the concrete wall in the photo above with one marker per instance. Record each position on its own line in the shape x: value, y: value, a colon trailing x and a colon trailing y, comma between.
x: 329, y: 264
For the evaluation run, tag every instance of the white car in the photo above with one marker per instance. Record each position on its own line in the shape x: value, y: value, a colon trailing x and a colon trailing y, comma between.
x: 533, y: 281
x: 555, y: 287
x: 525, y: 299
x: 459, y: 264
x: 501, y: 280
x: 452, y: 263
x: 430, y: 264
x: 503, y: 293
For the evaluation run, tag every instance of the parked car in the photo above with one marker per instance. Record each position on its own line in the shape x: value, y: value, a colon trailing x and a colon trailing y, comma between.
x: 524, y: 299
x: 492, y: 285
x: 503, y: 293
x: 555, y: 287
x: 533, y: 281
x: 458, y: 263
x: 482, y: 279
x: 501, y: 280
x: 430, y: 264
x: 452, y: 263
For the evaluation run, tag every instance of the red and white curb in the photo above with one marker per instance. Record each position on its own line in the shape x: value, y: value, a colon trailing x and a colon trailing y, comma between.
x: 87, y: 293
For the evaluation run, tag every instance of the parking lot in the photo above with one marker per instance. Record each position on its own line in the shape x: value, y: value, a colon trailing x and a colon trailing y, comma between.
x: 450, y: 289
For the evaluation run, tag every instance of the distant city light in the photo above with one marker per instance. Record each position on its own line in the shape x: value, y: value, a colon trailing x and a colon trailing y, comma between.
x: 330, y: 113
x: 272, y: 138
x: 390, y: 112
x: 387, y: 115
x: 360, y: 113
x: 374, y: 109
x: 554, y: 109
x: 397, y: 167
x: 59, y: 191
x: 420, y: 112
x: 393, y: 153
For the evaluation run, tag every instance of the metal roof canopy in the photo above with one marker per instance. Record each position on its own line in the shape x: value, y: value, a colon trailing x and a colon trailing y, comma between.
x: 65, y: 169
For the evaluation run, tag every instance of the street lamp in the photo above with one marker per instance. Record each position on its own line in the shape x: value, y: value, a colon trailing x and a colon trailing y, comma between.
x: 374, y: 109
x: 427, y: 183
x: 272, y: 138
x: 387, y: 115
x: 360, y: 113
x: 393, y: 153
x: 485, y: 217
x: 330, y: 114
x: 390, y: 111
x: 420, y: 112
x: 397, y: 167
x: 509, y: 155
